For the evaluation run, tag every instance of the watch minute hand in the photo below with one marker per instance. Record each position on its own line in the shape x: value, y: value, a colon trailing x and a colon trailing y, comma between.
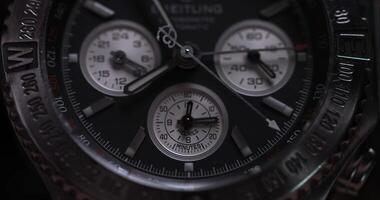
x: 208, y: 120
x: 202, y: 121
x: 163, y: 13
x: 146, y: 79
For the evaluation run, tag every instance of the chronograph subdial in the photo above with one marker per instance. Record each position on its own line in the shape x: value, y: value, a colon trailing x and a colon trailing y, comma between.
x: 188, y: 122
x: 116, y: 53
x: 259, y: 59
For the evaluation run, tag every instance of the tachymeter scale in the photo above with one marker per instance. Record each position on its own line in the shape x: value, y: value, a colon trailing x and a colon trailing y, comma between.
x: 262, y: 71
x: 116, y: 53
x: 188, y: 122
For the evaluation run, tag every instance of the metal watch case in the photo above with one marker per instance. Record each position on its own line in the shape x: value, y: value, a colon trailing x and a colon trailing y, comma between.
x: 69, y: 162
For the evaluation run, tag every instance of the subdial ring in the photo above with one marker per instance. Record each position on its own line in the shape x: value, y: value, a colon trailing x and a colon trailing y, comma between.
x: 116, y: 53
x: 188, y: 122
x: 250, y: 72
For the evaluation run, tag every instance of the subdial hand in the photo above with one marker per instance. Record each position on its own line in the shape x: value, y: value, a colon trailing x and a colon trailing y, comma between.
x: 212, y: 53
x: 255, y: 58
x: 187, y: 120
x: 205, y: 121
x: 119, y: 59
x: 189, y: 108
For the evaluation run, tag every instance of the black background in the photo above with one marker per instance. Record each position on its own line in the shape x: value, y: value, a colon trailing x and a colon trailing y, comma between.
x: 20, y: 181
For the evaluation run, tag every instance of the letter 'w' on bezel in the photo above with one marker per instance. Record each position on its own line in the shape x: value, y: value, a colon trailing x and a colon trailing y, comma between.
x: 20, y: 56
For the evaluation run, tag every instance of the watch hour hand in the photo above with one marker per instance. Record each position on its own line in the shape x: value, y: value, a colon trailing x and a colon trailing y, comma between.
x: 189, y: 108
x: 187, y: 120
x: 146, y: 79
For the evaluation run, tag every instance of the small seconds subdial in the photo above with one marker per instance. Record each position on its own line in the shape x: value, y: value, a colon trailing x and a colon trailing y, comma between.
x: 116, y: 53
x: 188, y: 122
x: 261, y: 60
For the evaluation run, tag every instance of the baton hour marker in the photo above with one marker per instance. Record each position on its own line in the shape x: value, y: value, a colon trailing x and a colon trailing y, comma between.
x: 99, y: 9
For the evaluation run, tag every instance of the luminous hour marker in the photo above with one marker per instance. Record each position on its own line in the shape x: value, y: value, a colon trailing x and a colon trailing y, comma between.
x: 98, y: 8
x: 136, y: 143
x: 241, y: 143
x: 98, y: 106
x: 278, y: 106
x: 275, y: 9
x: 73, y: 58
x: 189, y: 167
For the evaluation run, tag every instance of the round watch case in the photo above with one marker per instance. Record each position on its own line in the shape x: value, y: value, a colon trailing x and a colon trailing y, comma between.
x: 69, y: 162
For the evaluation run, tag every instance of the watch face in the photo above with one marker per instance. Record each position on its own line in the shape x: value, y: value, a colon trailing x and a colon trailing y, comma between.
x: 188, y: 124
x: 213, y: 99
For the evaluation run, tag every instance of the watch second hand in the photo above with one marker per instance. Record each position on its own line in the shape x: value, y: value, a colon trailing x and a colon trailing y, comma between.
x: 163, y: 13
x: 271, y: 123
x: 212, y: 53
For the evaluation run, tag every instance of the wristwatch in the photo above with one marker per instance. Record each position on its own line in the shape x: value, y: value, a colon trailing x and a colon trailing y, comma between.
x: 193, y: 99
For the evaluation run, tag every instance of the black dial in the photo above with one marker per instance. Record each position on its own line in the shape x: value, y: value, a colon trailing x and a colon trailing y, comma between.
x: 273, y: 55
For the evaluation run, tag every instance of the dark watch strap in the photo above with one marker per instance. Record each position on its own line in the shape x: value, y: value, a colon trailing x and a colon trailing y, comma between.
x: 354, y: 177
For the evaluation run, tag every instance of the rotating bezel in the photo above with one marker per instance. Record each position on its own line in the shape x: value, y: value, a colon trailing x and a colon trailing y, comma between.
x: 87, y: 166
